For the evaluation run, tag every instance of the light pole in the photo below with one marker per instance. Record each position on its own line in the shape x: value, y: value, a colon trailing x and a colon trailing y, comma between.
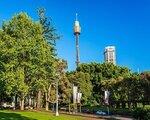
x: 57, y: 114
x: 60, y: 67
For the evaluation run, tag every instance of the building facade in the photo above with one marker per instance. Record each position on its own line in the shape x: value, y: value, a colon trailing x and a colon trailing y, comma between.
x: 110, y: 54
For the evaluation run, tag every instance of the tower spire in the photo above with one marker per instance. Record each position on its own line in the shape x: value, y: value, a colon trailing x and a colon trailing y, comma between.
x: 76, y: 16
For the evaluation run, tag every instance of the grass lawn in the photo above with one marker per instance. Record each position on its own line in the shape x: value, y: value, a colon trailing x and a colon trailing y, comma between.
x: 37, y: 115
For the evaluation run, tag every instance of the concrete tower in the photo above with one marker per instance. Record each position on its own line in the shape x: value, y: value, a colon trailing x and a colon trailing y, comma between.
x: 77, y: 31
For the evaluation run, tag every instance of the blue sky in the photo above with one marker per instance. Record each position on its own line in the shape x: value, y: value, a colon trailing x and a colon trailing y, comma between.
x: 123, y: 23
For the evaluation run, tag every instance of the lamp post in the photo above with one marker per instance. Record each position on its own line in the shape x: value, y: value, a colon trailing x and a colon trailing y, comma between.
x: 57, y: 114
x: 60, y: 69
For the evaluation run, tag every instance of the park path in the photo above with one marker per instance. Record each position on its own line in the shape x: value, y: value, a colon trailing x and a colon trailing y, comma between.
x: 99, y: 117
x: 93, y: 119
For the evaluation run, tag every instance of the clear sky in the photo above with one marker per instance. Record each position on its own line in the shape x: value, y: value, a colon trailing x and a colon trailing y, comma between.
x: 123, y: 23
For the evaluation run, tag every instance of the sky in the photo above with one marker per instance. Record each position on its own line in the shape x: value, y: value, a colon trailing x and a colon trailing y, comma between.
x: 122, y: 23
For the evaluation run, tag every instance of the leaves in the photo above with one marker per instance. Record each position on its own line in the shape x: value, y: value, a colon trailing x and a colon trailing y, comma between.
x: 26, y: 57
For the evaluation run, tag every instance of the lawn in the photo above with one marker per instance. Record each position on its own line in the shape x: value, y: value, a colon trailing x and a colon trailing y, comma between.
x: 36, y: 115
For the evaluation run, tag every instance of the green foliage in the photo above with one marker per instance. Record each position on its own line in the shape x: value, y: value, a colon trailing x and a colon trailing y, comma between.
x: 85, y: 86
x: 26, y: 59
x: 49, y: 32
x: 15, y: 53
x: 145, y: 85
x: 141, y: 114
x: 65, y: 90
x: 124, y: 89
x: 124, y: 86
x: 102, y: 76
x: 82, y: 80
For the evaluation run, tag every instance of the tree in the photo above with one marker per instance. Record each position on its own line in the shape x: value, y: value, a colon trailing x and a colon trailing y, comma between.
x: 50, y: 36
x: 26, y: 58
x: 145, y: 83
x: 49, y: 31
x: 102, y: 72
x: 82, y: 80
x: 16, y: 56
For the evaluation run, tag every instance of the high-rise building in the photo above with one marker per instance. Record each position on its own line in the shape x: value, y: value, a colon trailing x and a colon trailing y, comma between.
x: 110, y: 54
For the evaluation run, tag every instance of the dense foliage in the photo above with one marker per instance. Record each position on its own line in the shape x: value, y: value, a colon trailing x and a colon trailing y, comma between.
x: 98, y: 74
x: 141, y: 114
x: 126, y: 89
x: 28, y: 63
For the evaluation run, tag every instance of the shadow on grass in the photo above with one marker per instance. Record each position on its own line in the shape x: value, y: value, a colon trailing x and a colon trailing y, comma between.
x: 13, y: 116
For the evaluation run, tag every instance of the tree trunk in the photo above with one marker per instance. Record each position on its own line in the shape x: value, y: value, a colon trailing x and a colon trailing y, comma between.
x: 35, y: 103
x: 123, y: 104
x: 21, y: 104
x: 80, y: 107
x: 47, y: 105
x: 16, y: 101
x: 47, y: 102
x: 53, y: 108
x: 129, y: 105
x: 117, y: 104
x: 69, y: 108
x: 30, y: 101
x: 143, y: 103
x: 39, y: 100
x: 13, y: 103
x: 47, y: 97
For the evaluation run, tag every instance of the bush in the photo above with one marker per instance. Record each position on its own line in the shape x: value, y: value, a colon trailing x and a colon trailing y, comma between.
x: 124, y: 112
x: 141, y: 114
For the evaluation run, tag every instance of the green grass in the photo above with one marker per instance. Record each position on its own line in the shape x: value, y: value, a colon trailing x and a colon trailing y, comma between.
x: 36, y: 115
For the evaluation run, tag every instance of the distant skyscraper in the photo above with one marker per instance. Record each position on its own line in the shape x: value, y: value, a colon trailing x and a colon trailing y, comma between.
x: 110, y: 54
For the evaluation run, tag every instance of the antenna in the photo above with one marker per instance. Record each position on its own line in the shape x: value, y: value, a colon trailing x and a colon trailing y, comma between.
x: 138, y: 70
x: 76, y: 16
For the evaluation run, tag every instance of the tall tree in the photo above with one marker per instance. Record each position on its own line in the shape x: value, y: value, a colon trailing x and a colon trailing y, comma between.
x: 27, y: 58
x: 49, y: 31
x: 50, y: 36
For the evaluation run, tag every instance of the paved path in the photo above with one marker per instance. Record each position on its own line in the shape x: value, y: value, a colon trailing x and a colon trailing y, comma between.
x: 99, y: 117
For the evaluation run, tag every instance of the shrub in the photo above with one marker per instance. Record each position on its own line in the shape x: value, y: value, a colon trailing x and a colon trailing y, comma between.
x: 141, y: 114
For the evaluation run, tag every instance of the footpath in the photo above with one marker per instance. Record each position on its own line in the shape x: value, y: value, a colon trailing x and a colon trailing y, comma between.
x: 99, y: 117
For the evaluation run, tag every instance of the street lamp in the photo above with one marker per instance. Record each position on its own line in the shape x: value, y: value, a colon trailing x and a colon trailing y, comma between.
x: 59, y: 71
x: 57, y: 114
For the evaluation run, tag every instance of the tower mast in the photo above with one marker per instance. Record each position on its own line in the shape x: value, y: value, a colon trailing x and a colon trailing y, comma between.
x: 77, y: 31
